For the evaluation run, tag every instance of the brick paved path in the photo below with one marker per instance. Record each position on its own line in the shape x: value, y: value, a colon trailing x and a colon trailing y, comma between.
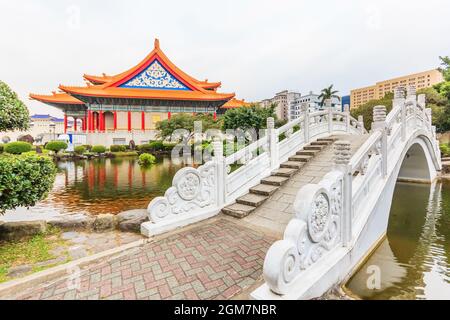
x: 213, y: 260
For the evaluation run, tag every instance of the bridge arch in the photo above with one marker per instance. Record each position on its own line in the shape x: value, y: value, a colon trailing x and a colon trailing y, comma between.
x: 418, y: 161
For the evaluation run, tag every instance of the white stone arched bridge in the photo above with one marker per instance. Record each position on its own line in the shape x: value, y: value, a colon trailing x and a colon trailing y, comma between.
x: 328, y: 205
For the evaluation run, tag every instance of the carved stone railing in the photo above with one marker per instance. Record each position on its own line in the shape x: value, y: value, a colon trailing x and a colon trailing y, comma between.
x: 330, y: 215
x: 200, y: 193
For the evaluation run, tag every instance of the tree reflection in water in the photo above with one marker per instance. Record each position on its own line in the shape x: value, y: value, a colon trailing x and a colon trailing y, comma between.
x: 414, y: 258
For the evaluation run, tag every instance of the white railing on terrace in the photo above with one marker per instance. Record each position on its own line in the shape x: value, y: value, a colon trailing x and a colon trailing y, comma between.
x: 199, y: 193
x: 331, y: 214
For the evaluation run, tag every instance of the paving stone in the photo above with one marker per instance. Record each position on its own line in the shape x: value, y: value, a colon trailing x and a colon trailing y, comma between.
x: 238, y: 252
x: 77, y: 252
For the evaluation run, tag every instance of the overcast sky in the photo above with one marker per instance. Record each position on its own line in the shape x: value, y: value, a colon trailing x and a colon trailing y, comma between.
x: 255, y: 48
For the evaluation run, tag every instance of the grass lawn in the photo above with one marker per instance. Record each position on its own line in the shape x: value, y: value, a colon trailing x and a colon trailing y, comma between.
x: 28, y: 252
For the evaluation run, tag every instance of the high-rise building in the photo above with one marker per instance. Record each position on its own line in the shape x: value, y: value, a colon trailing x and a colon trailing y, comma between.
x: 419, y: 80
x: 313, y: 102
x: 283, y: 101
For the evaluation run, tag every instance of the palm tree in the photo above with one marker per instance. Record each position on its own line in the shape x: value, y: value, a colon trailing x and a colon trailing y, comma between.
x: 328, y: 93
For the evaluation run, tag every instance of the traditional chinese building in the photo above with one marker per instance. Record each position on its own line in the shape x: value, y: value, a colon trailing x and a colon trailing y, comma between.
x: 127, y: 106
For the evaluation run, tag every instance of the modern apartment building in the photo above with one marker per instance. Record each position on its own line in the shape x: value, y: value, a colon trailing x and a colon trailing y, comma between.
x: 283, y: 101
x: 419, y: 80
x: 313, y: 102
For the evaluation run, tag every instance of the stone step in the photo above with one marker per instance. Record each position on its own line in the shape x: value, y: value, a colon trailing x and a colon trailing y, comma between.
x: 274, y: 180
x: 327, y: 139
x: 250, y: 199
x: 308, y: 152
x: 316, y: 147
x: 284, y: 172
x: 292, y: 164
x: 320, y: 143
x: 264, y: 189
x: 300, y: 158
x: 238, y: 210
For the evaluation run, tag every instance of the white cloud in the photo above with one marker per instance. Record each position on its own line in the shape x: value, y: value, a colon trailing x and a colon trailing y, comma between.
x: 254, y: 47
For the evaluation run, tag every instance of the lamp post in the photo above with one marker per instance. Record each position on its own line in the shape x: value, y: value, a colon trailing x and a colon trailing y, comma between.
x: 52, y: 130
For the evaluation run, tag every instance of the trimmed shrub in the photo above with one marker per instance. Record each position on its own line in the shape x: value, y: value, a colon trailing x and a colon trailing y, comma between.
x: 98, y: 149
x: 88, y: 147
x: 118, y: 148
x: 18, y: 147
x: 146, y: 148
x: 79, y: 150
x: 157, y: 145
x: 24, y: 180
x: 56, y: 146
x: 146, y: 159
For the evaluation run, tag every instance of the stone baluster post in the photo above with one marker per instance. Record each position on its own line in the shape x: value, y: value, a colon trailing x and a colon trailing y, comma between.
x: 330, y: 115
x: 305, y: 111
x: 221, y: 172
x: 361, y: 123
x: 421, y: 102
x: 272, y: 135
x: 342, y: 155
x: 411, y: 97
x: 379, y: 123
x: 399, y: 101
x: 347, y: 117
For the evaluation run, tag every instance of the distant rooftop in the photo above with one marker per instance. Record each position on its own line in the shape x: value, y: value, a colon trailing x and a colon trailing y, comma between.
x: 46, y: 116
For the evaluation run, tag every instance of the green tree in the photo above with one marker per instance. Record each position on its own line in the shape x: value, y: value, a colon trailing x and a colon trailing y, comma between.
x: 366, y: 110
x: 445, y: 69
x: 13, y: 112
x: 244, y: 118
x: 186, y: 121
x: 328, y: 93
x: 24, y: 179
x: 440, y: 108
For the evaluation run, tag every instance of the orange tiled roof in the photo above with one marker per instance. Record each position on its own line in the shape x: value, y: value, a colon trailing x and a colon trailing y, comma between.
x: 98, y: 79
x: 103, y: 79
x: 57, y: 98
x: 114, y: 92
x: 111, y: 88
x: 235, y: 103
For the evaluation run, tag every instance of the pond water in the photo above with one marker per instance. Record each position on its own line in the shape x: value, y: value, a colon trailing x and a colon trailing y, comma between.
x: 101, y: 186
x: 413, y: 262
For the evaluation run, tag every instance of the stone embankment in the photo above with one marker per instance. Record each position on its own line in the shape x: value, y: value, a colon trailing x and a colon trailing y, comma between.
x: 128, y: 221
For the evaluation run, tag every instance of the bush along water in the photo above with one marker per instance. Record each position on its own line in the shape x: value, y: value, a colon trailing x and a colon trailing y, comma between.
x: 56, y: 146
x: 146, y: 159
x: 98, y: 149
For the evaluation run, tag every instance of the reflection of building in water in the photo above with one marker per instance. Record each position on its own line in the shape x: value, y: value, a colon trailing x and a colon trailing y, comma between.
x: 413, y: 254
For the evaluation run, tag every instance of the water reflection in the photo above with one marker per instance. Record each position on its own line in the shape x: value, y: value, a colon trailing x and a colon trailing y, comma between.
x: 102, y: 186
x: 414, y: 259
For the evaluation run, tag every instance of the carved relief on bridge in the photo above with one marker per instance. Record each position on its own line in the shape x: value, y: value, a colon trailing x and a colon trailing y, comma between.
x: 315, y: 230
x: 193, y: 189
